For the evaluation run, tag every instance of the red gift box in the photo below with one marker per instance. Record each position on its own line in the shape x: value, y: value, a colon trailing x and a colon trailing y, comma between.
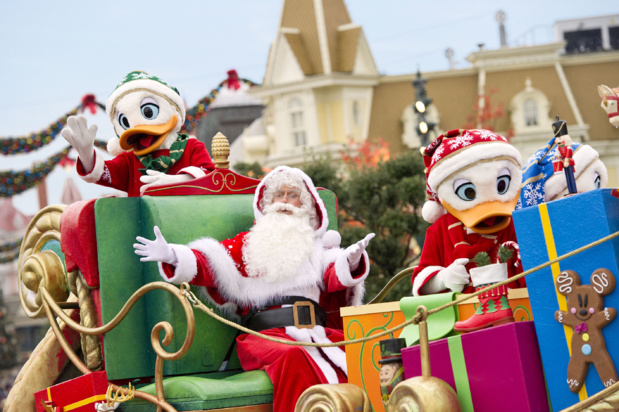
x: 75, y: 395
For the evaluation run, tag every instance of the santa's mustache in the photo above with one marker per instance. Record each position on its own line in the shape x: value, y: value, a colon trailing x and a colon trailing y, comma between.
x: 275, y: 207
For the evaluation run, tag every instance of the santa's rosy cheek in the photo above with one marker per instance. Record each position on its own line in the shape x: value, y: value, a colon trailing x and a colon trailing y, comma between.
x: 573, y: 310
x: 591, y: 310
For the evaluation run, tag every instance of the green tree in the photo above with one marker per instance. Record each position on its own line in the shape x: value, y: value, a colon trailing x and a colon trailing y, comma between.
x: 384, y: 199
x: 250, y: 169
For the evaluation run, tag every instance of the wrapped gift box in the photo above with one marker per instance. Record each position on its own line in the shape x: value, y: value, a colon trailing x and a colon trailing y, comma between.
x: 494, y: 369
x: 368, y: 320
x: 550, y: 230
x: 75, y: 395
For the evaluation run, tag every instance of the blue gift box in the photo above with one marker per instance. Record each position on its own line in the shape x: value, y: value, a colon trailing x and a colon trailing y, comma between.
x: 545, y: 232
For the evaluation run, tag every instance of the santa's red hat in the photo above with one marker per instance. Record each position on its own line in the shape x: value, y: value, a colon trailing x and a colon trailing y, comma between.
x: 456, y: 150
x: 298, y: 175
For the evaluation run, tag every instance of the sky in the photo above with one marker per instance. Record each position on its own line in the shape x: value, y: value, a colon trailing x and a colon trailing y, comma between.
x: 52, y: 53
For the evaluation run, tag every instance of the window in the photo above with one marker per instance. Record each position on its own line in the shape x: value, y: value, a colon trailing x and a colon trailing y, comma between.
x: 613, y: 34
x: 296, y: 122
x: 583, y: 41
x: 356, y: 113
x: 529, y: 109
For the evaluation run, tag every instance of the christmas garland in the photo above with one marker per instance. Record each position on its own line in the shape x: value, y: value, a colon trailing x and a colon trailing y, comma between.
x: 10, y: 245
x: 12, y: 182
x: 10, y: 257
x: 26, y: 144
x: 197, y: 112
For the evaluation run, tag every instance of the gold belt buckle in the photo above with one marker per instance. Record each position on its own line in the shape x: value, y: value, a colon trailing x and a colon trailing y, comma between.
x: 295, y: 314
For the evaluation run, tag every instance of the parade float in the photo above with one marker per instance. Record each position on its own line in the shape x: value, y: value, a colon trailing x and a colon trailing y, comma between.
x: 122, y: 339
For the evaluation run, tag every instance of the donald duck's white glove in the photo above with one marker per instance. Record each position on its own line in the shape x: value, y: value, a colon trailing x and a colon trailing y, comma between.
x: 82, y: 138
x: 454, y: 276
x: 354, y: 252
x: 155, y: 178
x: 157, y: 250
x: 102, y: 407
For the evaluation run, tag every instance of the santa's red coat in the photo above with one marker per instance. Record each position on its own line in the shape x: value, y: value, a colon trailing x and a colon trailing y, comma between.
x: 220, y: 269
x: 122, y: 172
x: 448, y: 239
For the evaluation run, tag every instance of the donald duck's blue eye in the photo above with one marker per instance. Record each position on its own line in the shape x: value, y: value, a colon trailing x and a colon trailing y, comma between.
x: 124, y: 122
x: 502, y: 184
x: 466, y: 191
x: 150, y: 111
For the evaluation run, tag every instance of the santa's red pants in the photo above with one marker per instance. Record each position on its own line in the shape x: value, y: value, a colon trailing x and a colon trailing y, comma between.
x: 291, y: 368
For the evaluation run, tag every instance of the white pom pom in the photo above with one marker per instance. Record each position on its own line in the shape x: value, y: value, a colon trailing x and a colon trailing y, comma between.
x: 432, y: 211
x: 331, y: 239
x: 113, y: 147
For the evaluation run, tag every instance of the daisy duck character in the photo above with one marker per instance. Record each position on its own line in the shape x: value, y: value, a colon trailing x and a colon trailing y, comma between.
x: 286, y: 278
x: 473, y: 182
x: 147, y: 114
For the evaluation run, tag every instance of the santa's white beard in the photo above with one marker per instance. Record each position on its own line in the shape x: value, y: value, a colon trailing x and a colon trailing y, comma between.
x: 278, y: 244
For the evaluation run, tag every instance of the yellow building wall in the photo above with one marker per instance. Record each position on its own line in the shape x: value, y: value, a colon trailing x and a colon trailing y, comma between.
x: 338, y: 128
x: 323, y: 125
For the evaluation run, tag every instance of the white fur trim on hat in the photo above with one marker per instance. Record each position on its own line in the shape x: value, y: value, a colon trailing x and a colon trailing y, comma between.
x: 324, y: 221
x: 467, y: 157
x: 432, y: 211
x: 331, y: 239
x: 113, y: 147
x: 151, y: 85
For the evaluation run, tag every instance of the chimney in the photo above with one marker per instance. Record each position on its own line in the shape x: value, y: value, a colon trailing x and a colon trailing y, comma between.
x: 500, y: 18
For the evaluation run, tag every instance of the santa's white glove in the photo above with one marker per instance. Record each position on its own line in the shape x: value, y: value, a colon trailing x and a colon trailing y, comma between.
x: 82, y: 138
x: 155, y: 178
x: 102, y: 407
x: 354, y: 252
x: 157, y: 250
x: 454, y: 276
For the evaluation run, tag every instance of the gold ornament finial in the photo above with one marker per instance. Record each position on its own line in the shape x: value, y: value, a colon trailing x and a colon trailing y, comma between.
x: 221, y: 150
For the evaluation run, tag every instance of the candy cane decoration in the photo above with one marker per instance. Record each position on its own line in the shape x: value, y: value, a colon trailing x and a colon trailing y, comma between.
x: 515, y: 246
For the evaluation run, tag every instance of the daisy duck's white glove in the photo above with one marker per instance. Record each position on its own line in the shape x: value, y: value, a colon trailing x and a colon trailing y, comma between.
x: 102, y: 407
x: 157, y: 250
x: 155, y: 178
x: 354, y: 252
x: 82, y: 138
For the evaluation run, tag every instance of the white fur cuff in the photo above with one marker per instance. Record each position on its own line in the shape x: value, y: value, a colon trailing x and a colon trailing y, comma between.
x: 421, y: 277
x: 186, y: 266
x: 194, y: 171
x: 97, y: 170
x: 342, y: 270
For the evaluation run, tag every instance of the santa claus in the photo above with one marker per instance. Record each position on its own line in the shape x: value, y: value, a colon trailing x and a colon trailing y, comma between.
x: 286, y: 277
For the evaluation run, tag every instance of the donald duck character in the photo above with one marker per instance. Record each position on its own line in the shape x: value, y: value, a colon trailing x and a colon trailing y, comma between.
x: 147, y: 114
x: 473, y: 181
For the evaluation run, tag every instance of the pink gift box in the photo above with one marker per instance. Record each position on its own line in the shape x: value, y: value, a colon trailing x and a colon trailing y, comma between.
x: 493, y: 369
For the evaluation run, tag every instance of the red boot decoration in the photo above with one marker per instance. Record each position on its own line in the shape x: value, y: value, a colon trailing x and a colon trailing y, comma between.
x: 493, y: 310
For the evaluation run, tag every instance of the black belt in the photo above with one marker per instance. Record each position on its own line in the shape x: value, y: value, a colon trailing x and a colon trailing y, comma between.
x: 304, y: 314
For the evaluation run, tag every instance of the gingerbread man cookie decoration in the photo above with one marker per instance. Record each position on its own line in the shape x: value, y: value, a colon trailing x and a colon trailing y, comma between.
x: 587, y: 315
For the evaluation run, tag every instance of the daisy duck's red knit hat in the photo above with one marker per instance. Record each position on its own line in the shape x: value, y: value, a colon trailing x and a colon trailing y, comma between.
x: 454, y: 151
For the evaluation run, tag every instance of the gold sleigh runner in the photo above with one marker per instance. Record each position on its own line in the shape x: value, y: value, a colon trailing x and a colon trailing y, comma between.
x: 43, y: 272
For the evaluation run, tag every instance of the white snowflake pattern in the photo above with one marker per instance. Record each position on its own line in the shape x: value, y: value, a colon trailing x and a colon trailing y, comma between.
x: 533, y: 193
x: 460, y: 141
x: 486, y: 134
x: 106, y: 176
x: 141, y: 75
x: 437, y: 153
